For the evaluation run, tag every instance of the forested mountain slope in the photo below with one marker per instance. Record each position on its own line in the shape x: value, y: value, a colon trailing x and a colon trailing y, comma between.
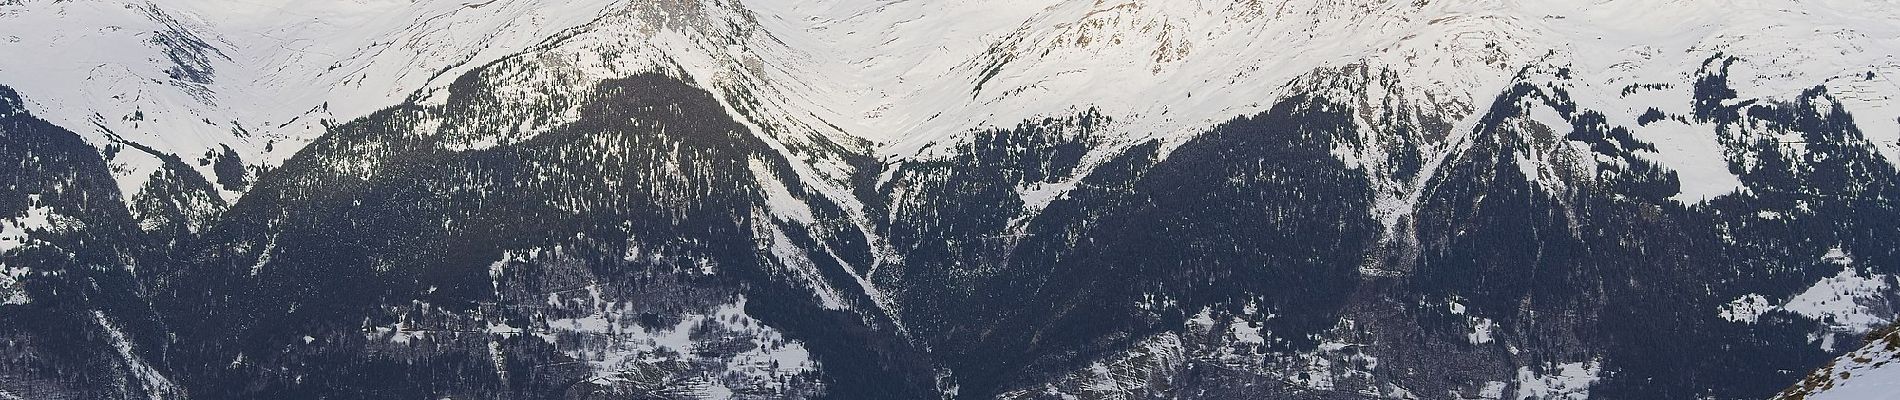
x: 855, y: 199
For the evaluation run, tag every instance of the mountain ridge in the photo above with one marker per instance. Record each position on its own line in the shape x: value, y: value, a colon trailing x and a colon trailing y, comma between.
x: 1099, y: 199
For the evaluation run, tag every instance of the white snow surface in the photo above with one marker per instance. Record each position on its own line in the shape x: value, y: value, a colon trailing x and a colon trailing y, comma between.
x: 910, y: 71
x: 1870, y: 383
x: 1568, y: 381
x: 1851, y: 303
x: 1868, y: 373
x: 1842, y: 301
x: 634, y: 346
x: 905, y: 74
x: 11, y: 290
x: 278, y: 68
x: 1482, y: 330
x: 891, y: 78
x: 155, y: 384
x: 17, y: 232
x: 1747, y: 308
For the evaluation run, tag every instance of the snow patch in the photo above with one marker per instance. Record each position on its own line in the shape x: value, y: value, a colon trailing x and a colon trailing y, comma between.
x: 1568, y: 381
x: 1697, y: 156
x: 502, y: 328
x: 1873, y: 97
x: 779, y: 199
x: 147, y: 377
x: 635, y: 348
x: 1843, y: 301
x: 1037, y: 196
x: 1837, y: 256
x: 264, y: 77
x: 13, y: 285
x: 794, y: 260
x: 1245, y: 331
x: 1493, y: 390
x: 1850, y: 302
x: 1481, y: 330
x: 16, y: 232
x: 1115, y: 376
x: 1871, y: 372
x: 264, y: 256
x: 1746, y: 309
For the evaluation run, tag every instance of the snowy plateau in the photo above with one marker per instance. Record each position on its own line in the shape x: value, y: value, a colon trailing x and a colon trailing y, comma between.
x: 925, y: 199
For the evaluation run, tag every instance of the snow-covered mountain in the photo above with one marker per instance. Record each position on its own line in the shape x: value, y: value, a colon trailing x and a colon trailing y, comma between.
x: 253, y: 80
x: 917, y: 199
x: 1867, y: 373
